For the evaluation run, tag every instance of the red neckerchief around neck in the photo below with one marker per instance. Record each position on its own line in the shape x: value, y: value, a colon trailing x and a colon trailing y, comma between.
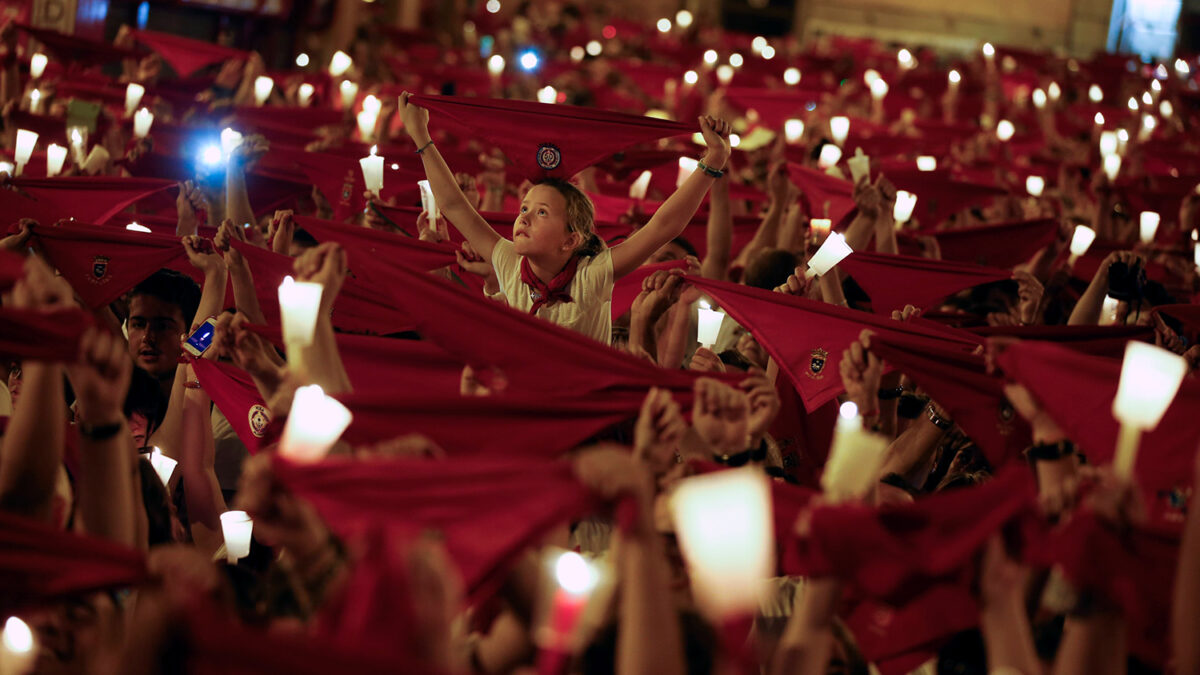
x: 555, y: 291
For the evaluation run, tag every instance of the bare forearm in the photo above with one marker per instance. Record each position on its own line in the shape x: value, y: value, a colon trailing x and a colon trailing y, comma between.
x: 1008, y: 637
x: 767, y: 234
x: 453, y: 203
x: 790, y: 238
x: 204, y: 499
x: 807, y: 642
x: 648, y: 639
x: 31, y: 447
x: 672, y: 344
x: 859, y: 233
x: 1092, y: 645
x: 913, y: 448
x: 1087, y: 310
x: 107, y: 481
x: 237, y: 198
x: 719, y: 235
x: 321, y: 360
x: 244, y: 297
x: 885, y: 234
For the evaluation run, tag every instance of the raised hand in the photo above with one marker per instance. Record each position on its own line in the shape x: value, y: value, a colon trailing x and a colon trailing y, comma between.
x: 861, y: 372
x: 415, y: 120
x: 705, y: 360
x: 41, y: 289
x: 101, y: 376
x: 431, y: 232
x: 796, y: 284
x: 324, y: 264
x: 16, y: 242
x: 720, y: 416
x: 1029, y: 293
x: 281, y: 231
x: 203, y: 256
x: 660, y: 291
x: 716, y: 138
x: 763, y: 400
x: 659, y: 427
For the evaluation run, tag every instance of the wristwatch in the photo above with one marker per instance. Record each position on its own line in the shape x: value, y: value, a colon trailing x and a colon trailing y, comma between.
x: 937, y: 421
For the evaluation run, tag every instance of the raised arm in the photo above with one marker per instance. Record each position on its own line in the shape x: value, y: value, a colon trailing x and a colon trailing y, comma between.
x: 675, y: 213
x: 205, y: 502
x: 719, y: 233
x: 453, y: 204
x: 321, y: 362
x: 1185, y: 613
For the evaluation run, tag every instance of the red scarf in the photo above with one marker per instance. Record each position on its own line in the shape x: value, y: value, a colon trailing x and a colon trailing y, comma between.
x: 555, y: 291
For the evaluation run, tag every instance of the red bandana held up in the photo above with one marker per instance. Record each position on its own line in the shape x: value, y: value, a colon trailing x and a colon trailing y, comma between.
x: 38, y: 563
x: 893, y: 281
x: 549, y: 293
x: 995, y: 244
x: 41, y: 335
x: 88, y: 199
x: 185, y: 55
x: 548, y: 140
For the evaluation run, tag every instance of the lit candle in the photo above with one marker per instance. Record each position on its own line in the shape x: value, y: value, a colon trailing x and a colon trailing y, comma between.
x: 1081, y: 241
x: 372, y: 171
x: 575, y: 579
x: 26, y: 141
x: 854, y: 458
x: 304, y: 94
x: 18, y: 653
x: 832, y: 252
x: 637, y: 190
x: 299, y: 302
x: 860, y: 166
x: 78, y: 137
x: 340, y: 63
x: 829, y: 157
x: 906, y: 202
x: 709, y: 326
x: 56, y: 156
x: 1034, y: 185
x: 262, y: 89
x: 37, y: 65
x: 230, y: 140
x: 1112, y: 166
x: 989, y: 52
x: 35, y: 101
x: 314, y: 424
x: 1132, y: 104
x: 1150, y: 378
x: 142, y: 121
x: 547, y: 94
x: 1054, y: 91
x: 1005, y: 131
x: 164, y: 466
x: 1166, y: 109
x: 879, y: 89
x: 366, y: 120
x: 495, y: 65
x: 237, y: 528
x: 818, y: 230
x: 428, y: 203
x: 1039, y: 98
x: 839, y: 128
x: 1098, y: 119
x: 136, y: 227
x: 724, y: 73
x: 791, y: 76
x: 927, y: 163
x: 349, y: 91
x: 1147, y: 128
x: 725, y: 529
x: 954, y: 78
x: 1108, y: 143
x: 1148, y: 226
x: 793, y: 130
x: 1095, y: 93
x: 687, y: 166
x: 133, y: 97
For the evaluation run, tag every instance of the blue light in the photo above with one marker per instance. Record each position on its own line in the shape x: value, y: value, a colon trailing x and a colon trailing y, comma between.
x: 485, y: 45
x: 529, y: 60
x: 210, y: 155
x: 143, y: 14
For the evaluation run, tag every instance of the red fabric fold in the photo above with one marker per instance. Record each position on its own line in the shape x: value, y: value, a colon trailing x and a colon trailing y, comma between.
x: 807, y: 338
x: 234, y: 394
x: 961, y: 384
x: 42, y: 336
x: 998, y: 244
x: 940, y: 195
x: 534, y: 354
x: 1077, y: 391
x: 487, y: 511
x: 548, y: 140
x: 387, y: 245
x: 186, y: 55
x: 73, y: 49
x: 360, y: 307
x: 898, y: 638
x: 893, y: 553
x: 102, y: 263
x: 88, y: 199
x: 39, y: 563
x: 892, y: 281
x: 824, y: 196
x: 1096, y: 340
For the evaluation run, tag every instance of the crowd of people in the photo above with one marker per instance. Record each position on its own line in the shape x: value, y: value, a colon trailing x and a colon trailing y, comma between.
x: 558, y: 342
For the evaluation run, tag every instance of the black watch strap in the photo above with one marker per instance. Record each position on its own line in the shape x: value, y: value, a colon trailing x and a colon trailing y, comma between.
x: 101, y: 432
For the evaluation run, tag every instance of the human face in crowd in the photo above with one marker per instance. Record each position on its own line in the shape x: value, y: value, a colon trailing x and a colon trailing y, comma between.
x: 155, y: 329
x: 541, y: 225
x: 71, y: 634
x: 668, y: 252
x: 139, y: 428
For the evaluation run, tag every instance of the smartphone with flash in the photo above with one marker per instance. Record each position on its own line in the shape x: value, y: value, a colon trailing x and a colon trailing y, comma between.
x: 201, y: 339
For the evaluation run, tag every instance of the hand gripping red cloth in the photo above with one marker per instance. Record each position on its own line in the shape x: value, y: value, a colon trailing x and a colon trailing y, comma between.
x: 102, y: 263
x: 892, y: 281
x: 546, y: 140
x: 806, y: 338
x: 1077, y: 390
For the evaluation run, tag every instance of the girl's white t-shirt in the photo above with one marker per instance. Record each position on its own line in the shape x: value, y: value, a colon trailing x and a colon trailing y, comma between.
x: 590, y: 311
